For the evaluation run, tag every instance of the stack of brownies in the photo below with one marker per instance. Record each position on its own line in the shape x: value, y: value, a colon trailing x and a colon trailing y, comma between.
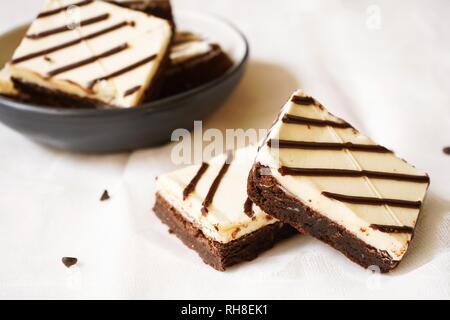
x: 314, y: 173
x: 108, y: 54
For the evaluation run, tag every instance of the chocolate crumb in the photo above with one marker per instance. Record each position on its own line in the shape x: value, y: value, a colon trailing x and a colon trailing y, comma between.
x: 446, y: 150
x: 68, y: 262
x: 48, y: 59
x: 105, y: 196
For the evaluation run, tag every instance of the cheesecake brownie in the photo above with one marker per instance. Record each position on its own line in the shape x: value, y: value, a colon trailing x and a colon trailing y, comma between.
x: 98, y: 55
x: 159, y: 8
x: 319, y: 174
x: 206, y: 206
x: 194, y: 61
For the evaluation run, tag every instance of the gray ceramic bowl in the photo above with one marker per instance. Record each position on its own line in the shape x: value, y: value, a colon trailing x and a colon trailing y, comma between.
x: 102, y: 131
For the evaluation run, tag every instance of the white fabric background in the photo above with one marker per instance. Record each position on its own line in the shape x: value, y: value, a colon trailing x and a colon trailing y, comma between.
x: 392, y: 82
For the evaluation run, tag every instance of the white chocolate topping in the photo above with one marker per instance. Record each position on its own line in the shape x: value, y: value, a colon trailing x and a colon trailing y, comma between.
x: 188, y: 46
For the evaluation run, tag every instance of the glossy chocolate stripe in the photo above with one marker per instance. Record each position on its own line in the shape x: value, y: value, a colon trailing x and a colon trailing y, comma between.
x: 291, y: 119
x: 193, y: 183
x: 291, y: 144
x: 56, y: 11
x: 373, y: 201
x: 71, y: 43
x: 66, y: 28
x: 123, y: 70
x: 129, y: 92
x: 303, y: 101
x: 87, y: 61
x: 322, y: 172
x: 216, y: 183
x: 392, y: 229
x: 248, y: 208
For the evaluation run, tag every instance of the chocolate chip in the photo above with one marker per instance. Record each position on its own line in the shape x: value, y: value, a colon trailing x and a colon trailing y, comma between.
x: 68, y: 262
x: 105, y: 196
x: 446, y: 150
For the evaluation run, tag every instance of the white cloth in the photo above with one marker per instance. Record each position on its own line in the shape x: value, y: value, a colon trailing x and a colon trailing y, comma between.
x: 381, y: 65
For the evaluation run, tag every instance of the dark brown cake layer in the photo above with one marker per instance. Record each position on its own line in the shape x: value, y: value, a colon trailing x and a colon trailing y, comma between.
x: 50, y: 98
x: 219, y: 255
x: 265, y: 191
x: 195, y: 72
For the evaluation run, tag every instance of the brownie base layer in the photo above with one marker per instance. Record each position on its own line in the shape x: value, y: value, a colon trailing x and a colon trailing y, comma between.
x: 52, y: 98
x: 195, y: 72
x: 219, y: 255
x: 265, y: 191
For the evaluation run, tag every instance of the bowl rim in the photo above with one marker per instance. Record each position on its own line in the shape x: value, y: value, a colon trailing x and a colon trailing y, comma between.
x: 164, y: 104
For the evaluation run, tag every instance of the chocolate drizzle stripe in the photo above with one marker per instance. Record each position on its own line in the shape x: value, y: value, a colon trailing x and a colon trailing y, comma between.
x: 392, y: 229
x: 290, y: 144
x: 130, y: 91
x: 292, y: 119
x: 87, y: 61
x: 373, y: 201
x: 66, y: 28
x: 321, y: 172
x: 216, y: 183
x: 303, y: 101
x: 193, y: 183
x: 123, y: 70
x: 70, y: 43
x: 248, y: 208
x: 56, y: 11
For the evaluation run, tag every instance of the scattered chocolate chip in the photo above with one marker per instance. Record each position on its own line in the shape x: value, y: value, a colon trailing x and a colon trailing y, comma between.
x: 68, y: 262
x: 48, y: 59
x: 105, y: 196
x: 446, y: 150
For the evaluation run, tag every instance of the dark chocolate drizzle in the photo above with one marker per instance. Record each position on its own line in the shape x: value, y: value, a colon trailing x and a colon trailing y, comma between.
x: 292, y: 119
x: 248, y: 208
x: 122, y: 71
x: 193, y: 183
x: 392, y: 229
x: 66, y: 28
x: 87, y: 61
x: 216, y: 183
x: 373, y: 201
x: 303, y: 101
x: 322, y: 172
x: 130, y: 91
x: 56, y: 11
x: 290, y: 144
x: 71, y: 43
